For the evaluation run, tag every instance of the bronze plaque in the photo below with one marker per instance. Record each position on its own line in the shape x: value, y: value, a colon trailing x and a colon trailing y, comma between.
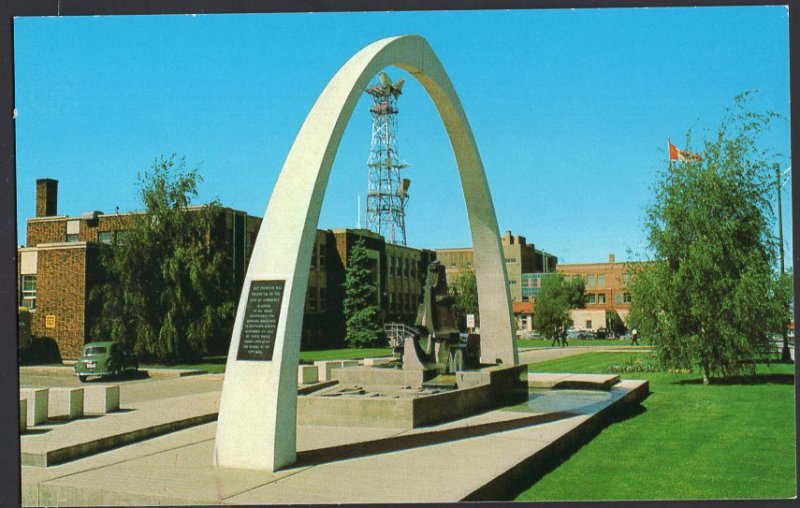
x: 261, y: 314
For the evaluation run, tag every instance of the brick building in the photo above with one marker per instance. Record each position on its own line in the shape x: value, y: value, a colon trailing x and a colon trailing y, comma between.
x: 58, y: 266
x: 521, y: 258
x: 606, y: 290
x: 398, y: 273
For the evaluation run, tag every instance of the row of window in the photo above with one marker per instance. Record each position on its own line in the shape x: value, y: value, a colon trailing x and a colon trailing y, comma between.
x: 403, y: 302
x: 596, y: 281
x: 106, y: 237
x: 113, y: 237
x: 402, y: 267
x: 619, y: 298
x: 318, y: 257
x: 467, y: 265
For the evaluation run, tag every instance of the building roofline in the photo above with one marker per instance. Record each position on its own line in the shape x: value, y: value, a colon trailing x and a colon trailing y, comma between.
x: 52, y: 218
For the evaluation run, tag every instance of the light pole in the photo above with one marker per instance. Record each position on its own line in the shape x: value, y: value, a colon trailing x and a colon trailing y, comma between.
x: 785, y: 354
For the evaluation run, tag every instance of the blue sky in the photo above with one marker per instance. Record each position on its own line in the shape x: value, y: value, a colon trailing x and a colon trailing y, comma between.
x: 571, y: 109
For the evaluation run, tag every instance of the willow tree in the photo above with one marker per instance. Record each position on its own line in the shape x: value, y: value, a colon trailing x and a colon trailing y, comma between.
x: 712, y: 297
x: 166, y: 289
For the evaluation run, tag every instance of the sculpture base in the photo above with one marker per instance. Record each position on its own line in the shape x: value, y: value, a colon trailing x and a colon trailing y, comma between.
x: 358, y: 401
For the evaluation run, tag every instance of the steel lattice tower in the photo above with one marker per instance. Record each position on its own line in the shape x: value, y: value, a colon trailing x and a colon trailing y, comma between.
x: 387, y: 192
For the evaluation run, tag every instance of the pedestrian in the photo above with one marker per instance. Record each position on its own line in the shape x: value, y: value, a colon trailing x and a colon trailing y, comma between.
x: 555, y: 340
x: 634, y: 337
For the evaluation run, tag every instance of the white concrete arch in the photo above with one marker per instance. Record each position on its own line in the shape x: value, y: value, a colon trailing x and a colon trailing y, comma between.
x: 257, y: 418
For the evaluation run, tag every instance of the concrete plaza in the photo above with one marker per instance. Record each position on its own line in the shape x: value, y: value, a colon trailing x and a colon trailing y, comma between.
x: 140, y: 459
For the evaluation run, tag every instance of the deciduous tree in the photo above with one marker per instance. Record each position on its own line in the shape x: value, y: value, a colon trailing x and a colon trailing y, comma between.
x: 557, y: 295
x: 465, y: 291
x: 711, y: 296
x: 165, y: 289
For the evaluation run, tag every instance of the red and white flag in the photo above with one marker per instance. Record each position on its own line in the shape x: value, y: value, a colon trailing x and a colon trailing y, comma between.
x: 675, y: 154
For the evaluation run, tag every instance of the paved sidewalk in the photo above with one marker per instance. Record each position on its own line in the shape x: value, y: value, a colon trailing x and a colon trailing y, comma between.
x: 541, y: 354
x: 472, y: 458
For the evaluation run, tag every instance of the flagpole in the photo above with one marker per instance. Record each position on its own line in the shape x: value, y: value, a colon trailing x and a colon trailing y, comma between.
x: 669, y: 154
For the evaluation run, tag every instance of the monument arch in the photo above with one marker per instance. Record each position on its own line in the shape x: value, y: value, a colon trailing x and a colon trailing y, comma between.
x: 256, y: 427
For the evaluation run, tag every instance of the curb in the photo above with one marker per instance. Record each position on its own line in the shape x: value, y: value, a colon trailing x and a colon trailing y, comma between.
x: 67, y: 370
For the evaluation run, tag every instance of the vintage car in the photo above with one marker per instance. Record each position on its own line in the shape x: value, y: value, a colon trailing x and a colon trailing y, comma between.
x: 104, y: 359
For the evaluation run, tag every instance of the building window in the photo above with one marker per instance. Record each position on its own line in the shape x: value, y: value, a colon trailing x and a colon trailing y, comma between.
x: 590, y: 281
x: 511, y: 260
x: 512, y: 282
x: 627, y: 298
x: 72, y: 237
x: 321, y: 259
x: 104, y: 237
x: 588, y: 324
x: 28, y: 292
x: 591, y: 298
x: 601, y: 298
x: 618, y: 298
x: 122, y: 238
x: 322, y: 301
x: 601, y: 280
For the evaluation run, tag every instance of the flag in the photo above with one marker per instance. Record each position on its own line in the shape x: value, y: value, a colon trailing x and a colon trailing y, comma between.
x: 676, y: 154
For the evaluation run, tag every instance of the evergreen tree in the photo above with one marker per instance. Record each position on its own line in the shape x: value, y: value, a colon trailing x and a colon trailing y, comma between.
x: 360, y: 301
x: 165, y: 291
x: 711, y: 297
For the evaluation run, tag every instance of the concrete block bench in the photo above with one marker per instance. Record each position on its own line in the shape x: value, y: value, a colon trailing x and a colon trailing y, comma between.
x: 307, y: 374
x: 65, y: 403
x: 36, y: 403
x: 371, y: 362
x: 23, y: 415
x: 100, y: 399
x: 326, y: 366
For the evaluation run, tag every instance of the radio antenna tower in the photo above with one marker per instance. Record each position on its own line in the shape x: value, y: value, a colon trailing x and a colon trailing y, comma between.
x: 387, y: 192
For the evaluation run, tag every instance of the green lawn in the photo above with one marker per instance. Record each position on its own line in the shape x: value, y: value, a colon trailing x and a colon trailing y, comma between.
x: 732, y: 440
x: 212, y: 364
x: 572, y: 342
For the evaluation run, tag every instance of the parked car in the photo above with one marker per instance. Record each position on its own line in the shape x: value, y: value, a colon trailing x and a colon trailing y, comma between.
x: 106, y: 358
x: 601, y: 333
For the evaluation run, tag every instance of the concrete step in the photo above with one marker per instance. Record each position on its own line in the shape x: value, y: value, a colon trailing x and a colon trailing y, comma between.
x: 572, y: 381
x: 59, y: 442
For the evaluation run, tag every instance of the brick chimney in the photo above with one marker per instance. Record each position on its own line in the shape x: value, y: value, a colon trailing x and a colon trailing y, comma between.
x: 611, y: 258
x: 46, y: 197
